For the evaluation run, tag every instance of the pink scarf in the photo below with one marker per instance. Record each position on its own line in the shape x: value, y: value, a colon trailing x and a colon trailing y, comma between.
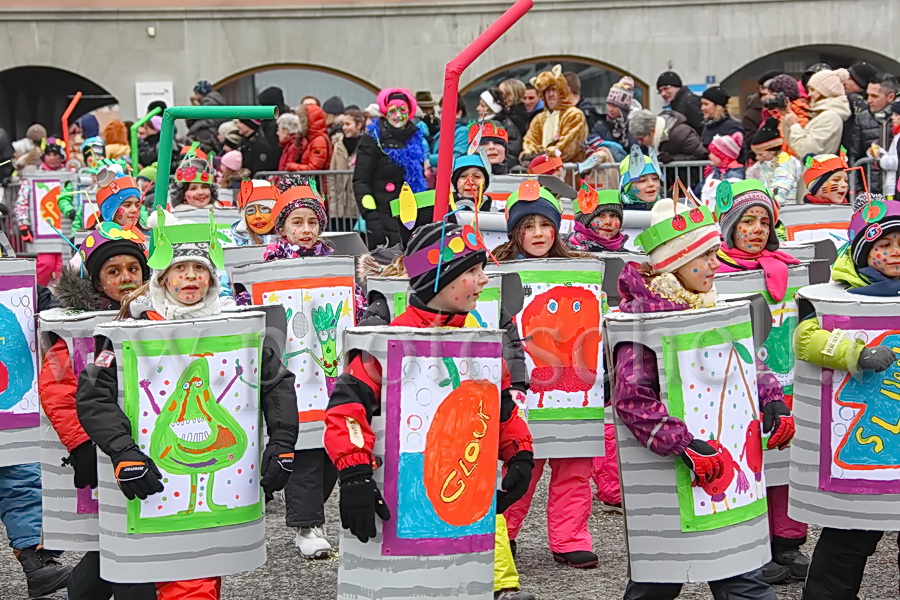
x: 775, y: 264
x: 613, y: 244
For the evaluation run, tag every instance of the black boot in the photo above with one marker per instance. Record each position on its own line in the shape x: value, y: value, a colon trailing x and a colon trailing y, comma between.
x: 786, y: 552
x: 43, y: 572
x: 773, y: 573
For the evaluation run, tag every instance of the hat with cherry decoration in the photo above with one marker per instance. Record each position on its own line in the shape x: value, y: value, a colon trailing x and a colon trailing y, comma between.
x: 677, y: 235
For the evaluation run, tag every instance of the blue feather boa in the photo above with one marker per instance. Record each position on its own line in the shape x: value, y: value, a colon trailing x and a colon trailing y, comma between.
x: 411, y: 157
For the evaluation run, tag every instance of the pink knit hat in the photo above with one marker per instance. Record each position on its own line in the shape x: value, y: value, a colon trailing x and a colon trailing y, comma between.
x: 727, y: 147
x: 388, y: 96
x: 232, y: 160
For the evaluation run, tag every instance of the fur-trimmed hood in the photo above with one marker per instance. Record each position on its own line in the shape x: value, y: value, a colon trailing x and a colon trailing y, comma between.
x: 303, y: 115
x: 554, y: 78
x: 372, y: 264
x: 77, y: 293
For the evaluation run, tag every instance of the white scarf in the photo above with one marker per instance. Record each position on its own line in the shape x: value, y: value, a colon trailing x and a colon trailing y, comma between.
x: 172, y: 310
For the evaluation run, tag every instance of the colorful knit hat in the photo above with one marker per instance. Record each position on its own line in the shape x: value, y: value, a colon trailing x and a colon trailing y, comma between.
x: 727, y: 147
x: 819, y: 168
x: 300, y: 196
x: 93, y: 148
x: 621, y: 94
x: 148, y: 173
x: 468, y: 161
x: 438, y: 253
x: 590, y: 203
x: 195, y: 166
x: 104, y: 242
x: 733, y: 200
x: 531, y: 199
x: 874, y: 218
x: 53, y: 145
x: 677, y: 235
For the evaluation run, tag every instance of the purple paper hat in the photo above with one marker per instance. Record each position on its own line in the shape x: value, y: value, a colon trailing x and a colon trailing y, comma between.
x: 871, y: 221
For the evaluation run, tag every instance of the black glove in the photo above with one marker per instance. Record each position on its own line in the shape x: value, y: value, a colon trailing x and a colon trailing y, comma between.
x: 71, y: 215
x: 360, y: 501
x: 703, y: 461
x: 25, y: 233
x: 136, y: 474
x: 779, y: 424
x: 516, y: 481
x: 878, y: 358
x: 277, y: 466
x: 84, y: 460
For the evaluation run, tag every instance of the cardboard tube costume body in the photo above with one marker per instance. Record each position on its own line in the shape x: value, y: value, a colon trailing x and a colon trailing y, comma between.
x: 811, y: 222
x: 438, y: 437
x: 559, y: 325
x: 845, y: 459
x: 70, y: 515
x: 319, y: 300
x: 676, y: 532
x: 487, y: 310
x: 778, y: 350
x: 191, y: 391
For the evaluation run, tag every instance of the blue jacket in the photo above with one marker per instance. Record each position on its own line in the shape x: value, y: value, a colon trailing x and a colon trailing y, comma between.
x: 460, y: 142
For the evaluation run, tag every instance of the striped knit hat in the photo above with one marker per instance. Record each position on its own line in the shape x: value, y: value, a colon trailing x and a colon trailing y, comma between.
x: 440, y: 247
x: 727, y: 147
x: 744, y: 194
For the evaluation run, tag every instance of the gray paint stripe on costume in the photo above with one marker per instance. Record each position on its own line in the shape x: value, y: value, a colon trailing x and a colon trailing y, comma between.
x: 145, y: 557
x: 473, y: 590
x: 715, y: 554
x: 352, y: 561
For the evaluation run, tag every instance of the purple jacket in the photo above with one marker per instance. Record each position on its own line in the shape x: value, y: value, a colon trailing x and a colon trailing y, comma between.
x: 637, y: 398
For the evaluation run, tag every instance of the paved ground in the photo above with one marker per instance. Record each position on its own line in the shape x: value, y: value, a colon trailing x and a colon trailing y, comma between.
x: 287, y: 576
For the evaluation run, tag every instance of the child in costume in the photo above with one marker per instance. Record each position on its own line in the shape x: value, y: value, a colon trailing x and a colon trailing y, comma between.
x: 256, y: 201
x: 470, y: 178
x: 641, y: 183
x: 825, y: 177
x: 53, y: 158
x: 679, y: 277
x: 349, y: 439
x: 93, y: 150
x: 195, y: 181
x: 598, y: 221
x: 749, y: 243
x: 870, y: 267
x: 109, y: 265
x: 299, y: 220
x: 533, y: 228
x: 182, y: 286
x: 495, y: 141
x: 778, y: 170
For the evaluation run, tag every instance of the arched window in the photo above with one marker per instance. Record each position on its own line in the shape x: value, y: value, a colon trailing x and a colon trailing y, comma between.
x: 297, y: 81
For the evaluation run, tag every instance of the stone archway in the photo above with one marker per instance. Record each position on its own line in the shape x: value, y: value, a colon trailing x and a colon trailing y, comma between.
x: 297, y: 81
x: 37, y: 94
x: 596, y: 78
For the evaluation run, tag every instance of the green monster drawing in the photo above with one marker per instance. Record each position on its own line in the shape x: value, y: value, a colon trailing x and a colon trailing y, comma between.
x: 194, y: 434
x: 325, y: 320
x: 779, y: 350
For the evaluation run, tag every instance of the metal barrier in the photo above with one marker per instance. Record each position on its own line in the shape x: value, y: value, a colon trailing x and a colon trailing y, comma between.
x: 8, y: 223
x: 337, y: 187
x: 606, y: 175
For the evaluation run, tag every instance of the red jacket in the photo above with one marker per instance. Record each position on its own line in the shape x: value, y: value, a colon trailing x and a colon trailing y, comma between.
x: 57, y: 384
x: 314, y: 149
x: 357, y: 394
x: 290, y: 153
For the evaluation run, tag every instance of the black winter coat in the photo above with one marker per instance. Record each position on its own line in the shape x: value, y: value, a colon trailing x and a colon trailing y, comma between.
x: 867, y: 130
x: 605, y: 132
x: 688, y: 104
x: 6, y: 154
x: 257, y: 155
x: 679, y: 141
x: 519, y: 116
x: 98, y: 409
x: 378, y: 176
x: 590, y: 112
x: 726, y: 126
x: 206, y: 131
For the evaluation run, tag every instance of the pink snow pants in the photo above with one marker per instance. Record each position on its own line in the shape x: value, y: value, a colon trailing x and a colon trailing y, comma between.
x: 568, y: 504
x: 780, y: 524
x: 606, y: 470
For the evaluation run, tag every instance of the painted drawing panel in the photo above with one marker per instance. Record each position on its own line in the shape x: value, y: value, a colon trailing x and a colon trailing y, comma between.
x: 194, y: 409
x: 18, y: 353
x: 442, y: 439
x: 711, y: 384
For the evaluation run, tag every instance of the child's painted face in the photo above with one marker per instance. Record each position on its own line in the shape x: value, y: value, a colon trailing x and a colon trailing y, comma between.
x: 884, y: 256
x: 752, y: 231
x: 397, y: 114
x: 462, y: 294
x: 302, y: 227
x: 536, y: 236
x: 469, y: 181
x: 198, y: 195
x: 606, y: 224
x: 647, y: 187
x: 496, y: 152
x: 128, y: 212
x: 697, y: 275
x: 120, y: 275
x: 259, y: 216
x: 188, y: 282
x: 835, y: 188
x: 765, y: 155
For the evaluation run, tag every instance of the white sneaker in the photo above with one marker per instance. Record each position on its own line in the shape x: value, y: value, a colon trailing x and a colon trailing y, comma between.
x: 311, y: 542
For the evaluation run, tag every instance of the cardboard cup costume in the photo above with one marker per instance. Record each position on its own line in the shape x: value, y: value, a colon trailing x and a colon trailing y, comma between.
x: 318, y: 296
x: 559, y: 325
x: 19, y: 403
x: 70, y: 516
x: 191, y: 390
x: 675, y: 532
x: 438, y: 437
x: 44, y: 214
x: 811, y: 222
x: 845, y: 459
